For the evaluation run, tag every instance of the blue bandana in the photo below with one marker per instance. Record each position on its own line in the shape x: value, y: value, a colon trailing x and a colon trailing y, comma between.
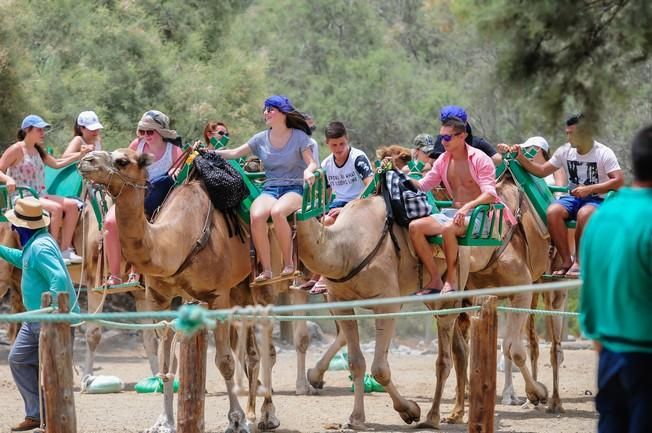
x: 282, y: 103
x: 24, y: 234
x: 451, y: 111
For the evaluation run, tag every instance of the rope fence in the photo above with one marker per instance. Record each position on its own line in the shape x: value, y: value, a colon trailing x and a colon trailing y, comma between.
x: 190, y: 318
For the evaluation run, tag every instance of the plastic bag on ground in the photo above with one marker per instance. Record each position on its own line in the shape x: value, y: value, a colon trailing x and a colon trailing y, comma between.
x: 370, y: 384
x: 154, y: 384
x: 339, y: 362
x: 101, y: 384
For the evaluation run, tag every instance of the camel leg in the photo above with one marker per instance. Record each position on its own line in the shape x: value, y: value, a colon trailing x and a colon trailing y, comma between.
x: 268, y: 419
x: 357, y: 367
x: 509, y: 396
x: 150, y: 340
x: 226, y: 364
x: 555, y: 302
x: 407, y: 409
x: 514, y: 349
x: 301, y: 343
x: 252, y: 369
x: 165, y: 422
x: 93, y: 333
x: 460, y: 352
x: 533, y: 338
x: 316, y: 374
x: 445, y: 326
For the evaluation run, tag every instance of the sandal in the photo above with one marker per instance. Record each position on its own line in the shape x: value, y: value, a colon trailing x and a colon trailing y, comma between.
x: 319, y: 288
x: 134, y: 277
x: 427, y: 291
x: 113, y: 280
x: 287, y: 270
x: 263, y: 276
x: 308, y: 285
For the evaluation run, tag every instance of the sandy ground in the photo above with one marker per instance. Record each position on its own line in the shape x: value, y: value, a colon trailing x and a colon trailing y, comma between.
x: 123, y: 355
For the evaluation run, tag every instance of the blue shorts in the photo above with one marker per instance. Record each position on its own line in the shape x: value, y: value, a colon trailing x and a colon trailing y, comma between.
x: 337, y: 203
x: 573, y: 204
x: 279, y: 191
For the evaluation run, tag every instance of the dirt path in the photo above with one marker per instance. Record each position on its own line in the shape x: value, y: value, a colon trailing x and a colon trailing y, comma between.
x: 132, y: 412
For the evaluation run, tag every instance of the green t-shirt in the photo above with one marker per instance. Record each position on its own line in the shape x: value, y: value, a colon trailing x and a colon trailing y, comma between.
x: 616, y: 254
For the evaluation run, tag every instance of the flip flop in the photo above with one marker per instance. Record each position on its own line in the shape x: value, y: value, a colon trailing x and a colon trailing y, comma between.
x: 561, y: 271
x: 308, y: 285
x: 263, y: 276
x: 319, y: 288
x: 427, y: 291
x: 287, y: 270
x: 573, y: 272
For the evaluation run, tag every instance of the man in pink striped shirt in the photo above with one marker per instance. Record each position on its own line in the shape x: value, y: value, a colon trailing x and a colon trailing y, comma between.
x: 470, y: 178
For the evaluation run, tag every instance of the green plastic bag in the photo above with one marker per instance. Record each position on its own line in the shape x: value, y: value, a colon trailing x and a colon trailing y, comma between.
x: 154, y: 384
x: 339, y: 362
x: 370, y: 384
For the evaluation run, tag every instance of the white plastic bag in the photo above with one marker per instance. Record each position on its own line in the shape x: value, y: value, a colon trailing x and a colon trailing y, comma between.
x: 101, y: 384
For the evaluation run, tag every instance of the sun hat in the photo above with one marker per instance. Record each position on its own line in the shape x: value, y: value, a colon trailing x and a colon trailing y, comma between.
x: 154, y: 120
x: 536, y: 142
x: 28, y: 213
x: 282, y: 103
x: 89, y: 120
x: 35, y: 121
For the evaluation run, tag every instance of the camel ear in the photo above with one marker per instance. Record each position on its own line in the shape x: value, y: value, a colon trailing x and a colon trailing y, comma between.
x: 144, y: 159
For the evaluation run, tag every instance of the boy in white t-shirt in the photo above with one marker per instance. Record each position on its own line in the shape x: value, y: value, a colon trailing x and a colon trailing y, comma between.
x: 348, y: 172
x: 592, y: 170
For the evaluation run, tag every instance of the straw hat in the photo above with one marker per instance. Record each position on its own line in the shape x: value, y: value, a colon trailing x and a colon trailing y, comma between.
x: 28, y: 213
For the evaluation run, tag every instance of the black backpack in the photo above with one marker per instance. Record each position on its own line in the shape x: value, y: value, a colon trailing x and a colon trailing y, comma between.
x: 405, y: 201
x: 225, y: 186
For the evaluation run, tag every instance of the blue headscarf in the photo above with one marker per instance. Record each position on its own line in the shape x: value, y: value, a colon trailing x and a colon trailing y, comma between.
x: 24, y: 234
x: 452, y: 111
x: 280, y: 102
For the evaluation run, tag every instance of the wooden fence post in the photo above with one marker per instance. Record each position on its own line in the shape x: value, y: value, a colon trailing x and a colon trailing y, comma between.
x: 55, y: 343
x: 192, y: 382
x: 482, y: 383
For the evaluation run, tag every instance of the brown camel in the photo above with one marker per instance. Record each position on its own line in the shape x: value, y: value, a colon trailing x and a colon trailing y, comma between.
x: 163, y: 252
x: 340, y: 250
x: 334, y: 253
x: 10, y: 278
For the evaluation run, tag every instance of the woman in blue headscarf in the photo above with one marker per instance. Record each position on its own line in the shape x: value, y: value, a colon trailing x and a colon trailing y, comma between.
x: 284, y: 148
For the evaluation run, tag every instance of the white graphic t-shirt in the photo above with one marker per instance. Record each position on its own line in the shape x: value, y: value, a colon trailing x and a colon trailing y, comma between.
x: 346, y: 180
x: 588, y: 169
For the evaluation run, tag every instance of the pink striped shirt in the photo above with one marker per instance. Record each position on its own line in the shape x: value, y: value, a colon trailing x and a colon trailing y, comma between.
x: 482, y: 171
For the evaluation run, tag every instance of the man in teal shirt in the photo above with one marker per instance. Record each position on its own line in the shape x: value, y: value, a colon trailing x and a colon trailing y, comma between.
x: 616, y: 298
x: 43, y: 271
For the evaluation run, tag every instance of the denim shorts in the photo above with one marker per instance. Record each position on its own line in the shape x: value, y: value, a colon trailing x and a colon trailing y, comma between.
x: 446, y: 216
x: 279, y: 191
x: 573, y: 204
x: 337, y: 203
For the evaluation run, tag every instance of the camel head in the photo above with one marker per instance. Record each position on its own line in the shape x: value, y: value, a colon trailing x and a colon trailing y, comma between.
x: 116, y: 169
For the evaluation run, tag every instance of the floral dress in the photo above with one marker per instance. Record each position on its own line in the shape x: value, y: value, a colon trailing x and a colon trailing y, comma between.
x: 29, y: 172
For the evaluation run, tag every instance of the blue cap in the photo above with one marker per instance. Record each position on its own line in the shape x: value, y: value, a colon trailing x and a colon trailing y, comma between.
x: 451, y: 111
x: 34, y: 120
x: 281, y: 102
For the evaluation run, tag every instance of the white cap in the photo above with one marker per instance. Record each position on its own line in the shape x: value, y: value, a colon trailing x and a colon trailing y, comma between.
x: 89, y: 120
x: 536, y: 142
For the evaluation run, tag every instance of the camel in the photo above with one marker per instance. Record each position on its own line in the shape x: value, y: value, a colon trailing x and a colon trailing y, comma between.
x: 346, y: 243
x: 163, y: 252
x: 85, y: 239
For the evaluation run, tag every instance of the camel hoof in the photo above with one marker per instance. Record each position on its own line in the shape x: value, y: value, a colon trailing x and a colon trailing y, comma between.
x: 315, y: 378
x: 306, y: 389
x: 454, y: 418
x: 410, y: 414
x: 512, y: 400
x: 428, y: 425
x: 538, y: 394
x: 555, y: 407
x: 237, y: 423
x: 268, y: 419
x: 162, y: 425
x: 354, y: 425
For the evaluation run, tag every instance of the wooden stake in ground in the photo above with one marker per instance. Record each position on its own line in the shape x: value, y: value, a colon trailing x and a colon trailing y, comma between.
x: 55, y: 344
x: 192, y: 382
x: 482, y: 383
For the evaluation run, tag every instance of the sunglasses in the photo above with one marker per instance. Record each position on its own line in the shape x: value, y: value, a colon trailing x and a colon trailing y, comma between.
x: 149, y: 132
x: 220, y: 133
x: 269, y: 109
x: 449, y: 137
